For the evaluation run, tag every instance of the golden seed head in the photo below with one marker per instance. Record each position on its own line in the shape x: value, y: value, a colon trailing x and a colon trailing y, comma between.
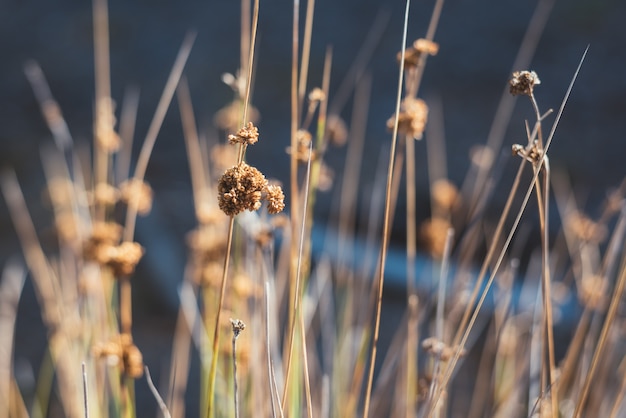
x: 481, y: 156
x: 424, y: 46
x: 122, y: 259
x: 413, y: 53
x: 104, y: 194
x: 121, y: 351
x: 275, y: 199
x: 336, y: 130
x: 317, y: 95
x: 439, y: 349
x: 240, y: 188
x: 106, y: 137
x: 433, y: 233
x: 137, y: 192
x: 60, y: 191
x: 523, y: 83
x: 248, y: 135
x: 303, y: 139
x: 412, y: 118
x: 326, y: 178
x: 592, y: 292
x: 133, y: 361
x: 411, y: 57
x: 103, y: 235
x: 445, y: 195
x: 586, y: 229
x: 106, y: 232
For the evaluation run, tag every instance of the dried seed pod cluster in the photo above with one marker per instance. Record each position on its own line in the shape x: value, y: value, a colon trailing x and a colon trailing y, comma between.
x: 523, y: 83
x: 243, y: 187
x: 412, y: 118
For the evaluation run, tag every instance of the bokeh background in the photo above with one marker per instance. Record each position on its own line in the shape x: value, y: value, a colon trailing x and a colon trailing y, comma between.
x: 478, y: 44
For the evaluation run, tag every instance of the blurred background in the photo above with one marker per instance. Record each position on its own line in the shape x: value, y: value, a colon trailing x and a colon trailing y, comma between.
x: 478, y: 45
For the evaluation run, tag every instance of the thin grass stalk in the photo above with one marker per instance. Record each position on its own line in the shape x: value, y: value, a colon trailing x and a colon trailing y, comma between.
x: 386, y: 224
x: 255, y: 24
x: 441, y: 300
x: 349, y: 185
x: 430, y: 36
x: 128, y: 119
x: 153, y: 130
x: 155, y: 393
x: 11, y: 286
x: 615, y: 409
x: 234, y: 354
x: 295, y: 215
x: 602, y: 340
x: 268, y: 350
x: 48, y: 291
x: 231, y: 224
x: 85, y: 391
x: 306, y: 54
x: 298, y: 294
x: 199, y: 175
x: 103, y: 103
x: 359, y: 64
x: 179, y: 368
x: 543, y: 206
x: 412, y: 302
x: 244, y: 49
x: 507, y: 101
x: 541, y: 161
x: 320, y: 146
x: 216, y: 332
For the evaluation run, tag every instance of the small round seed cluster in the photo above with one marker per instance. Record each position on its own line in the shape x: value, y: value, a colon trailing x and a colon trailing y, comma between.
x: 139, y: 190
x: 103, y: 248
x: 243, y: 187
x: 419, y: 47
x: 122, y: 351
x: 412, y: 118
x: 523, y: 83
x: 248, y: 135
x: 238, y: 326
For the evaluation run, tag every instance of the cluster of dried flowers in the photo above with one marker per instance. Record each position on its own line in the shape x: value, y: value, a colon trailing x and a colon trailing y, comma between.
x: 243, y: 187
x: 122, y: 351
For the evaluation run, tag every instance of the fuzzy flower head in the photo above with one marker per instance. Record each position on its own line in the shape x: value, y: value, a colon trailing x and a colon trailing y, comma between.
x: 240, y: 188
x: 248, y: 135
x: 412, y: 118
x: 523, y: 82
x: 275, y: 199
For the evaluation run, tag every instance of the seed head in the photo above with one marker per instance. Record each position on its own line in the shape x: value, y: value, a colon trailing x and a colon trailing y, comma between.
x: 336, y: 130
x: 432, y: 234
x: 122, y: 258
x: 275, y: 199
x: 238, y: 326
x: 412, y: 118
x: 240, y: 188
x: 248, y: 135
x: 523, y: 82
x: 424, y: 46
x: 141, y: 191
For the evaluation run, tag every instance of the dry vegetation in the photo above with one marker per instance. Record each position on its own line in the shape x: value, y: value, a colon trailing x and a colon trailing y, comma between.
x: 281, y: 333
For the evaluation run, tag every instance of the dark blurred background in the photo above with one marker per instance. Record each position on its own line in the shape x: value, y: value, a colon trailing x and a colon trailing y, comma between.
x: 478, y: 44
